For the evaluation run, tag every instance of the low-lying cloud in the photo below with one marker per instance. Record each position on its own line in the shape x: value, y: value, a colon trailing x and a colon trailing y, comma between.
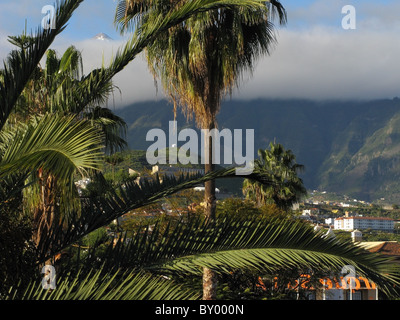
x: 312, y: 60
x: 316, y: 63
x: 135, y: 83
x: 323, y: 64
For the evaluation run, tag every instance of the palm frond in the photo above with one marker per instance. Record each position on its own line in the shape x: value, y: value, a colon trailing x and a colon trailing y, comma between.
x: 230, y: 244
x: 20, y: 64
x: 113, y: 128
x: 99, y: 285
x: 98, y: 212
x: 55, y: 144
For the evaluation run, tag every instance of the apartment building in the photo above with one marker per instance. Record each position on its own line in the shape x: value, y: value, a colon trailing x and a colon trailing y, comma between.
x: 362, y: 223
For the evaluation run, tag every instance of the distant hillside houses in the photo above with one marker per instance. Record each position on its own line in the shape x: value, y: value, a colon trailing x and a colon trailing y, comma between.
x: 171, y: 171
x: 310, y: 215
x: 333, y: 203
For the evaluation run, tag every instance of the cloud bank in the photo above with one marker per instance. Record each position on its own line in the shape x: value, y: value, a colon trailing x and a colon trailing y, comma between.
x: 316, y: 63
x: 313, y: 59
x: 320, y: 64
x: 135, y: 83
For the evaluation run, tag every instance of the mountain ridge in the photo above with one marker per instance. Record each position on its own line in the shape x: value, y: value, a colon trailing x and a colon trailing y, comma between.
x: 348, y: 147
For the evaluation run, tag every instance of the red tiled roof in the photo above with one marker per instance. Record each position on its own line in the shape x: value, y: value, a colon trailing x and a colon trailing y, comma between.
x: 387, y: 248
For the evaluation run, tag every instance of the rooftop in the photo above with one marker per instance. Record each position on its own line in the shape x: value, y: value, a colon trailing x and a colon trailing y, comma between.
x: 365, y: 218
x: 389, y: 248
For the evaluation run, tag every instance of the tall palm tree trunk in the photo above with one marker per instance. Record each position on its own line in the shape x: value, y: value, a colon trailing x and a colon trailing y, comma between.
x: 209, y: 276
x: 209, y: 194
x: 209, y: 284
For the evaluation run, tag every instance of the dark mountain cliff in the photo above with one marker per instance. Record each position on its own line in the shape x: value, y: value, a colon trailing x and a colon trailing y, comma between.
x: 349, y: 147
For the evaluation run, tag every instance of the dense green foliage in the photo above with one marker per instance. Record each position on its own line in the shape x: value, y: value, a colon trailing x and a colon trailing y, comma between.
x: 41, y: 153
x: 97, y: 260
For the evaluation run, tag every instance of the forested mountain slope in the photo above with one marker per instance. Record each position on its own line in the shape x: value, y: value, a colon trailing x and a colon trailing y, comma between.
x: 349, y: 147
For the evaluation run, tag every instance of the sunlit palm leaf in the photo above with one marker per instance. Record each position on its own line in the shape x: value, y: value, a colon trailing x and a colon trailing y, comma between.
x: 99, y: 212
x: 20, y: 64
x: 59, y: 145
x: 97, y: 285
x: 265, y: 245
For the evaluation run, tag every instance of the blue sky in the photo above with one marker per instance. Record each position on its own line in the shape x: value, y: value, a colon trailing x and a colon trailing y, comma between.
x: 314, y: 58
x: 92, y: 16
x: 95, y: 15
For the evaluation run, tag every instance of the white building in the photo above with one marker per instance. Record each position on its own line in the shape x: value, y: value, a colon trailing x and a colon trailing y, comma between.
x: 362, y: 223
x: 204, y: 189
x: 330, y: 221
x: 356, y: 236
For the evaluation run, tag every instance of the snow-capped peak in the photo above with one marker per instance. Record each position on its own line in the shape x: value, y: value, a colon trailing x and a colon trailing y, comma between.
x: 102, y: 37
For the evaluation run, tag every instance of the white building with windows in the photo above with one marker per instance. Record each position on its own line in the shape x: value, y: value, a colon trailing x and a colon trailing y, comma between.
x: 362, y: 223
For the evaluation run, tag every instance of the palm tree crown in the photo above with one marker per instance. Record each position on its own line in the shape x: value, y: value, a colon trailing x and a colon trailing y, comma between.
x: 201, y: 60
x: 287, y: 187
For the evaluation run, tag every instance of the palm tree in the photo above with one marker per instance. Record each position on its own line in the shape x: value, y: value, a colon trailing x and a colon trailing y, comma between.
x: 21, y: 64
x: 113, y: 160
x: 27, y: 143
x: 57, y: 145
x: 287, y: 188
x: 200, y: 61
x: 47, y: 152
x: 51, y: 91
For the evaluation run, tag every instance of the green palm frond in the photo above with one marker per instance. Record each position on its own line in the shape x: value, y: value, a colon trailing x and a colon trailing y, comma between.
x: 141, y: 267
x: 98, y: 212
x: 230, y: 244
x: 71, y: 62
x: 98, y: 285
x: 56, y: 144
x: 113, y: 128
x: 130, y: 13
x: 20, y: 64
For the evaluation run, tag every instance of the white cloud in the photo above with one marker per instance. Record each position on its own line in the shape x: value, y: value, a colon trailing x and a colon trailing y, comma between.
x: 323, y: 64
x: 314, y: 57
x: 135, y: 81
x: 379, y: 15
x: 5, y: 46
x: 317, y: 63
